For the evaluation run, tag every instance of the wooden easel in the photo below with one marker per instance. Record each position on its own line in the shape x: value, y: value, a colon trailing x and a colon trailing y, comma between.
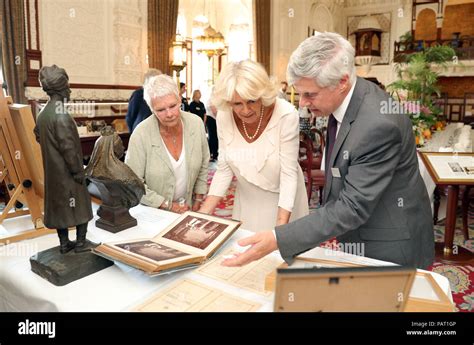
x: 17, y: 157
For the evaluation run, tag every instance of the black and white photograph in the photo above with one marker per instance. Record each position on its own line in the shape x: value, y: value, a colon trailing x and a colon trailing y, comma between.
x: 152, y: 250
x: 469, y: 170
x: 455, y: 167
x: 196, y: 232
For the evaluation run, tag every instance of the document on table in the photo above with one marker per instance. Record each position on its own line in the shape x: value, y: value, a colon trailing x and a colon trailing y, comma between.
x: 149, y: 215
x: 189, y: 295
x: 250, y: 277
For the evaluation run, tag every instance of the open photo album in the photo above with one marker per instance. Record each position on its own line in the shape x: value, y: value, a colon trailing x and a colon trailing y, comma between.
x: 189, y: 240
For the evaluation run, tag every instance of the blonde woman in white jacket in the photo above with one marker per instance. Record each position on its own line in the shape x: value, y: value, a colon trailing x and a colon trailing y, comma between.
x: 258, y: 143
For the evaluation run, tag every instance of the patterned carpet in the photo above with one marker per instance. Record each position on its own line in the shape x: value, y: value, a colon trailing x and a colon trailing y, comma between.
x: 461, y: 277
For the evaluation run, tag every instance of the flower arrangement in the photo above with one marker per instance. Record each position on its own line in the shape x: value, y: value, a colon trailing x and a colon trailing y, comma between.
x: 416, y: 89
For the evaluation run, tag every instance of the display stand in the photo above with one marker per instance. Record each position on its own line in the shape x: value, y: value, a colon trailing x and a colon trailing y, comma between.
x: 20, y: 168
x: 452, y: 170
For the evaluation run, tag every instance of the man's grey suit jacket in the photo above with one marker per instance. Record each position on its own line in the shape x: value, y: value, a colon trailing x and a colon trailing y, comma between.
x: 379, y: 203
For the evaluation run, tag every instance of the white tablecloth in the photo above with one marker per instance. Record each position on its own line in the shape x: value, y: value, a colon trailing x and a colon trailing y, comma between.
x: 428, y: 180
x: 446, y: 139
x: 119, y: 287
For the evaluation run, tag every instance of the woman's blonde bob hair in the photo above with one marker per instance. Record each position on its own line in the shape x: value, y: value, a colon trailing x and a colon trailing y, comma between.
x: 195, y: 92
x: 247, y: 78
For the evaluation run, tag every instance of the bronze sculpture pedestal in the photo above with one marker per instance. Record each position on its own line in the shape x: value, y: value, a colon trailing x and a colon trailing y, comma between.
x: 114, y: 218
x: 114, y: 211
x: 62, y: 269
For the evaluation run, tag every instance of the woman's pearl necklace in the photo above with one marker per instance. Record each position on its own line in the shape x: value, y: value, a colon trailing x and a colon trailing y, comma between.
x: 251, y: 137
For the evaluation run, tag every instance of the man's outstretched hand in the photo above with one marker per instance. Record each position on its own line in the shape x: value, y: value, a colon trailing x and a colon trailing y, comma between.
x: 261, y: 243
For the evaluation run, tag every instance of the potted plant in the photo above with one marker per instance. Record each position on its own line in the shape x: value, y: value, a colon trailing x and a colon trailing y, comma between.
x: 406, y: 41
x: 416, y: 87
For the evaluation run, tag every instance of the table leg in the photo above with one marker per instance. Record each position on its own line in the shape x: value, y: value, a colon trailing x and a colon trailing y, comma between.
x: 452, y: 203
x: 436, y: 203
x: 445, y: 251
x: 465, y: 212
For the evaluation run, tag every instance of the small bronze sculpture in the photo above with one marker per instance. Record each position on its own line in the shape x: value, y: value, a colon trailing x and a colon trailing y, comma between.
x: 120, y: 188
x: 67, y: 202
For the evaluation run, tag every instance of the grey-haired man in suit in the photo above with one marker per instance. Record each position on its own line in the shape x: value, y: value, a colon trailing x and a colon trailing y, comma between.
x: 374, y: 198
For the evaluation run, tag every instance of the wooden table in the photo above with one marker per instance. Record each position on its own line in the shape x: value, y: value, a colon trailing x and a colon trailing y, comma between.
x: 446, y: 252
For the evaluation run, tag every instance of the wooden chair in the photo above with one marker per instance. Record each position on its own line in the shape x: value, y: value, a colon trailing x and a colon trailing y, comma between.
x: 312, y: 176
x: 317, y: 147
x: 468, y: 108
x: 456, y: 112
x: 442, y: 102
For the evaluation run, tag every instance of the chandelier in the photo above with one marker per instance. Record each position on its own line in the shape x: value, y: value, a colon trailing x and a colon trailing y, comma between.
x: 210, y: 43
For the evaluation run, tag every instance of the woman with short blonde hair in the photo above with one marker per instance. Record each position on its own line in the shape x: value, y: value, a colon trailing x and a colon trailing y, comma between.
x: 197, y: 107
x: 249, y: 79
x: 258, y: 143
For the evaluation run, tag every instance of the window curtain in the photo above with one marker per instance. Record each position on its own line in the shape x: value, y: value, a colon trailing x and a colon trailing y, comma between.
x: 262, y: 10
x: 162, y: 19
x: 12, y: 33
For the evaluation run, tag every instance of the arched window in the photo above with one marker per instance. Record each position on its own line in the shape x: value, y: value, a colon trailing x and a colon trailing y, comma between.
x: 426, y: 25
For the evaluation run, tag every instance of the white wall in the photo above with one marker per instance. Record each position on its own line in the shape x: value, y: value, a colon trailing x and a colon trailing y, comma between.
x: 97, y: 42
x: 290, y: 22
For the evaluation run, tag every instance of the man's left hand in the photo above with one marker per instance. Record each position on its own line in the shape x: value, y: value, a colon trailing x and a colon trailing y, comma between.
x: 262, y: 243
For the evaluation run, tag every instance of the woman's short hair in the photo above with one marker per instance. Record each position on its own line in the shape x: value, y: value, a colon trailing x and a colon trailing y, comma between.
x: 159, y: 86
x: 194, y: 93
x: 325, y: 57
x: 247, y: 78
x: 150, y: 73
